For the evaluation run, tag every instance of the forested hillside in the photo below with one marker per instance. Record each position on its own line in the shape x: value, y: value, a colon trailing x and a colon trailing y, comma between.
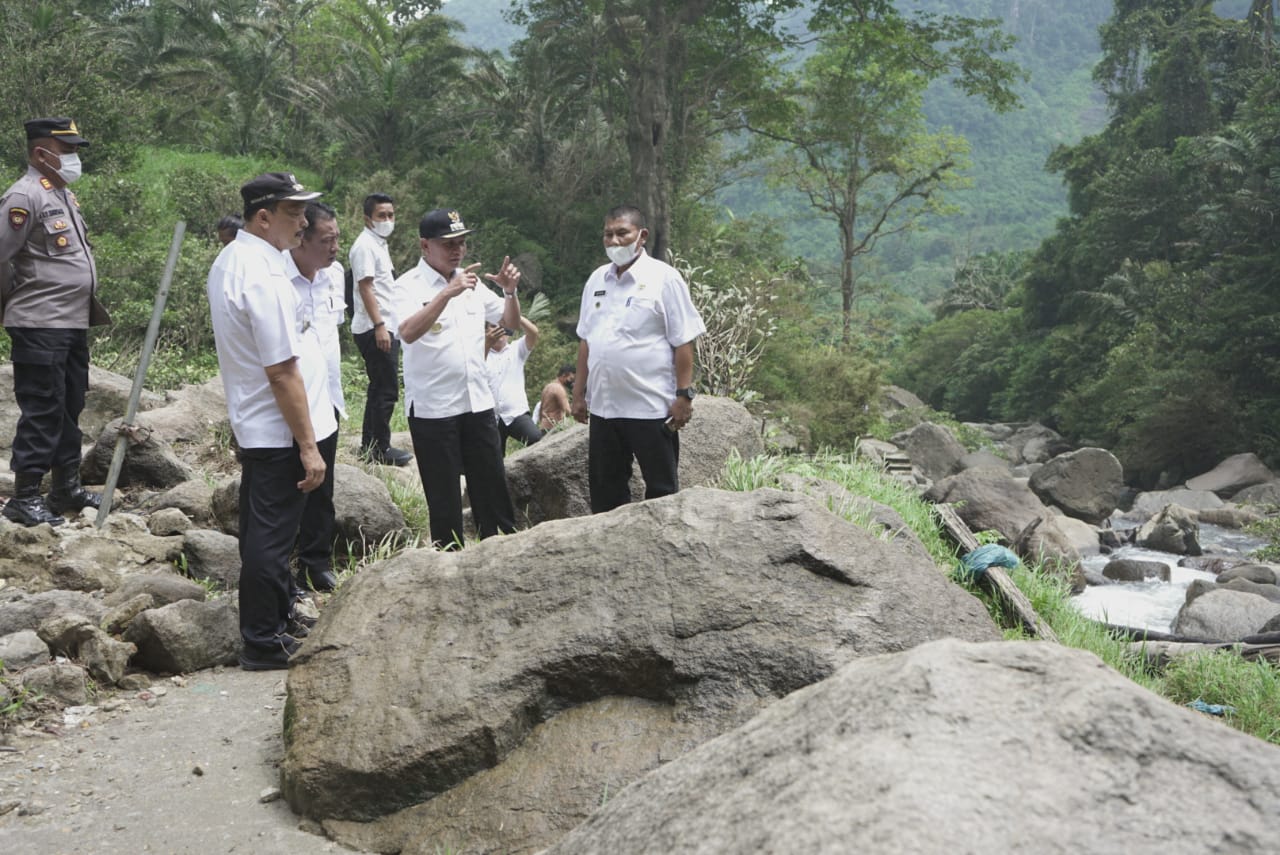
x: 1011, y: 201
x: 1148, y: 321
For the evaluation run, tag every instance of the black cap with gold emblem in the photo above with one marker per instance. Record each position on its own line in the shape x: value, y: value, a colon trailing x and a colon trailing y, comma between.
x: 442, y: 223
x: 59, y: 129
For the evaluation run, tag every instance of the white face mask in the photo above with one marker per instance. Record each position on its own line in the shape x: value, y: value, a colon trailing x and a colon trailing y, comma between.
x: 70, y: 169
x: 621, y: 255
x: 384, y: 228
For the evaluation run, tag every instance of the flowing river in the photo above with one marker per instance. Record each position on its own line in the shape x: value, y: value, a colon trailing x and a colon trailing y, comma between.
x: 1154, y: 604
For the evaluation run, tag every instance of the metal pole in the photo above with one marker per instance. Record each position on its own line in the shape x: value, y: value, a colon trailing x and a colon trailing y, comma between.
x: 135, y: 396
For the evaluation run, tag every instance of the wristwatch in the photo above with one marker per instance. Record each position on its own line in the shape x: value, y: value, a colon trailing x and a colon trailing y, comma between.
x: 685, y: 393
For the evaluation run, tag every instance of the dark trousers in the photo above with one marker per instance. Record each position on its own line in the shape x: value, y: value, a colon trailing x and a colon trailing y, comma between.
x: 50, y: 379
x: 611, y: 445
x: 449, y: 448
x: 522, y: 428
x: 383, y: 370
x: 315, y: 535
x: 270, y: 512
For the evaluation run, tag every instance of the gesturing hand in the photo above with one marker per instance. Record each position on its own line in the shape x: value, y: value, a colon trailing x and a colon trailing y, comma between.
x: 507, y: 277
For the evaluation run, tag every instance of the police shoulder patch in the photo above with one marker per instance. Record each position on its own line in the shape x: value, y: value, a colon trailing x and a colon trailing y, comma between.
x: 18, y: 218
x: 46, y: 183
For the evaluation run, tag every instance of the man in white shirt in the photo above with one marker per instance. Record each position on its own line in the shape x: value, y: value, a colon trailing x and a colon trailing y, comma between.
x: 636, y: 329
x: 316, y: 275
x: 505, y: 366
x: 373, y: 326
x: 273, y: 371
x: 442, y: 308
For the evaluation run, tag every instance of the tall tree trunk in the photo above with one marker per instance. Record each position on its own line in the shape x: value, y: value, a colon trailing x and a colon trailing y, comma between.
x: 847, y: 282
x: 647, y: 130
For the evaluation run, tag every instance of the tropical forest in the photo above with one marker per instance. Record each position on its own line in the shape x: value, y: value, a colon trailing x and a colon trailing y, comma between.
x: 1019, y: 210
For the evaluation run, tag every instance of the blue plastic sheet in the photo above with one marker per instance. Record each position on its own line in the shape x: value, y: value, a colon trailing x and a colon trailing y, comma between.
x: 975, y: 564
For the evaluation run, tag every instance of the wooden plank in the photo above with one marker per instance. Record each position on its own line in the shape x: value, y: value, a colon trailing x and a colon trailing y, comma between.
x: 999, y: 582
x: 1161, y: 653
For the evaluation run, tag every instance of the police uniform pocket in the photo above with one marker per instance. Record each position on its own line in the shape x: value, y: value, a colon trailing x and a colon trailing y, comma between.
x: 59, y: 237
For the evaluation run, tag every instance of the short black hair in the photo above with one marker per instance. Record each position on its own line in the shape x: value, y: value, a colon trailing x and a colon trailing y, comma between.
x: 231, y: 221
x: 567, y: 369
x: 630, y: 213
x: 317, y: 212
x: 373, y: 200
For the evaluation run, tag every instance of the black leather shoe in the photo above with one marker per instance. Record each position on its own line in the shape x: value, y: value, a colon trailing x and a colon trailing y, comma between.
x: 30, y: 511
x: 27, y: 507
x: 389, y: 457
x: 272, y: 658
x: 68, y: 494
x: 322, y: 581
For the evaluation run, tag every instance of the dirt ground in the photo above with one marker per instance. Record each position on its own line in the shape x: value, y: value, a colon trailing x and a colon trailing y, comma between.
x: 181, y: 769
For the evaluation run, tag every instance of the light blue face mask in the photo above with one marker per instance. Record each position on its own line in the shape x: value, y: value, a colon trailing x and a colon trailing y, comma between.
x: 70, y: 169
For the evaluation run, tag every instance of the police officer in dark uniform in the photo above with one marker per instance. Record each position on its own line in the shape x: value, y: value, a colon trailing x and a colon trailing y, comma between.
x: 47, y: 296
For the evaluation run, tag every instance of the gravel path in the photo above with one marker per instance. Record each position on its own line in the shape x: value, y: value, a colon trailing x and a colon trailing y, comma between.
x: 182, y: 768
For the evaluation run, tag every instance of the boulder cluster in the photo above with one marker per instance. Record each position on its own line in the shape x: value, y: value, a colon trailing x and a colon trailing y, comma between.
x: 1057, y: 504
x: 775, y: 670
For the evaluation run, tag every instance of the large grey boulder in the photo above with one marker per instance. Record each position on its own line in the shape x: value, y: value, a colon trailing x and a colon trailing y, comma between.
x: 163, y: 586
x: 65, y: 682
x: 1046, y: 540
x: 186, y: 636
x: 1233, y: 475
x: 983, y: 459
x: 1174, y: 530
x: 1135, y: 570
x: 1148, y: 504
x: 364, y: 513
x: 19, y: 611
x: 76, y: 637
x: 149, y: 460
x: 955, y: 747
x: 1034, y: 443
x: 1259, y: 494
x: 506, y: 686
x: 194, y: 498
x: 933, y: 449
x: 548, y: 480
x: 1224, y: 615
x: 106, y: 399
x: 895, y: 399
x: 1263, y: 574
x: 1086, y: 483
x: 22, y: 649
x: 214, y: 556
x: 882, y: 519
x: 989, y: 499
x: 1081, y: 536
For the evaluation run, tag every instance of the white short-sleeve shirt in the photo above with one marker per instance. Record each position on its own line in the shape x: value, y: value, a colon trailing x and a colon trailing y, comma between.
x: 255, y: 325
x: 370, y: 257
x: 506, y: 380
x: 444, y: 371
x: 320, y: 305
x: 631, y: 325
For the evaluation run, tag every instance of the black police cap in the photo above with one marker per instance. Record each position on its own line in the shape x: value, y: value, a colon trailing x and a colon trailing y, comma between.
x: 58, y: 128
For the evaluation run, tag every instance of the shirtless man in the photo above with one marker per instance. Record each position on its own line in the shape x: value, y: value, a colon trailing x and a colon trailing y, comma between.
x: 555, y: 398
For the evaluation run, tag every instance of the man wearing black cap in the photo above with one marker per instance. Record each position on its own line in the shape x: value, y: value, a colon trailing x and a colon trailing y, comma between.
x: 47, y: 295
x: 276, y: 380
x: 442, y: 309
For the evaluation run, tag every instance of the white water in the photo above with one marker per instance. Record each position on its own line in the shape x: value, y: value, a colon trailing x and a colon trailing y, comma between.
x: 1154, y: 604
